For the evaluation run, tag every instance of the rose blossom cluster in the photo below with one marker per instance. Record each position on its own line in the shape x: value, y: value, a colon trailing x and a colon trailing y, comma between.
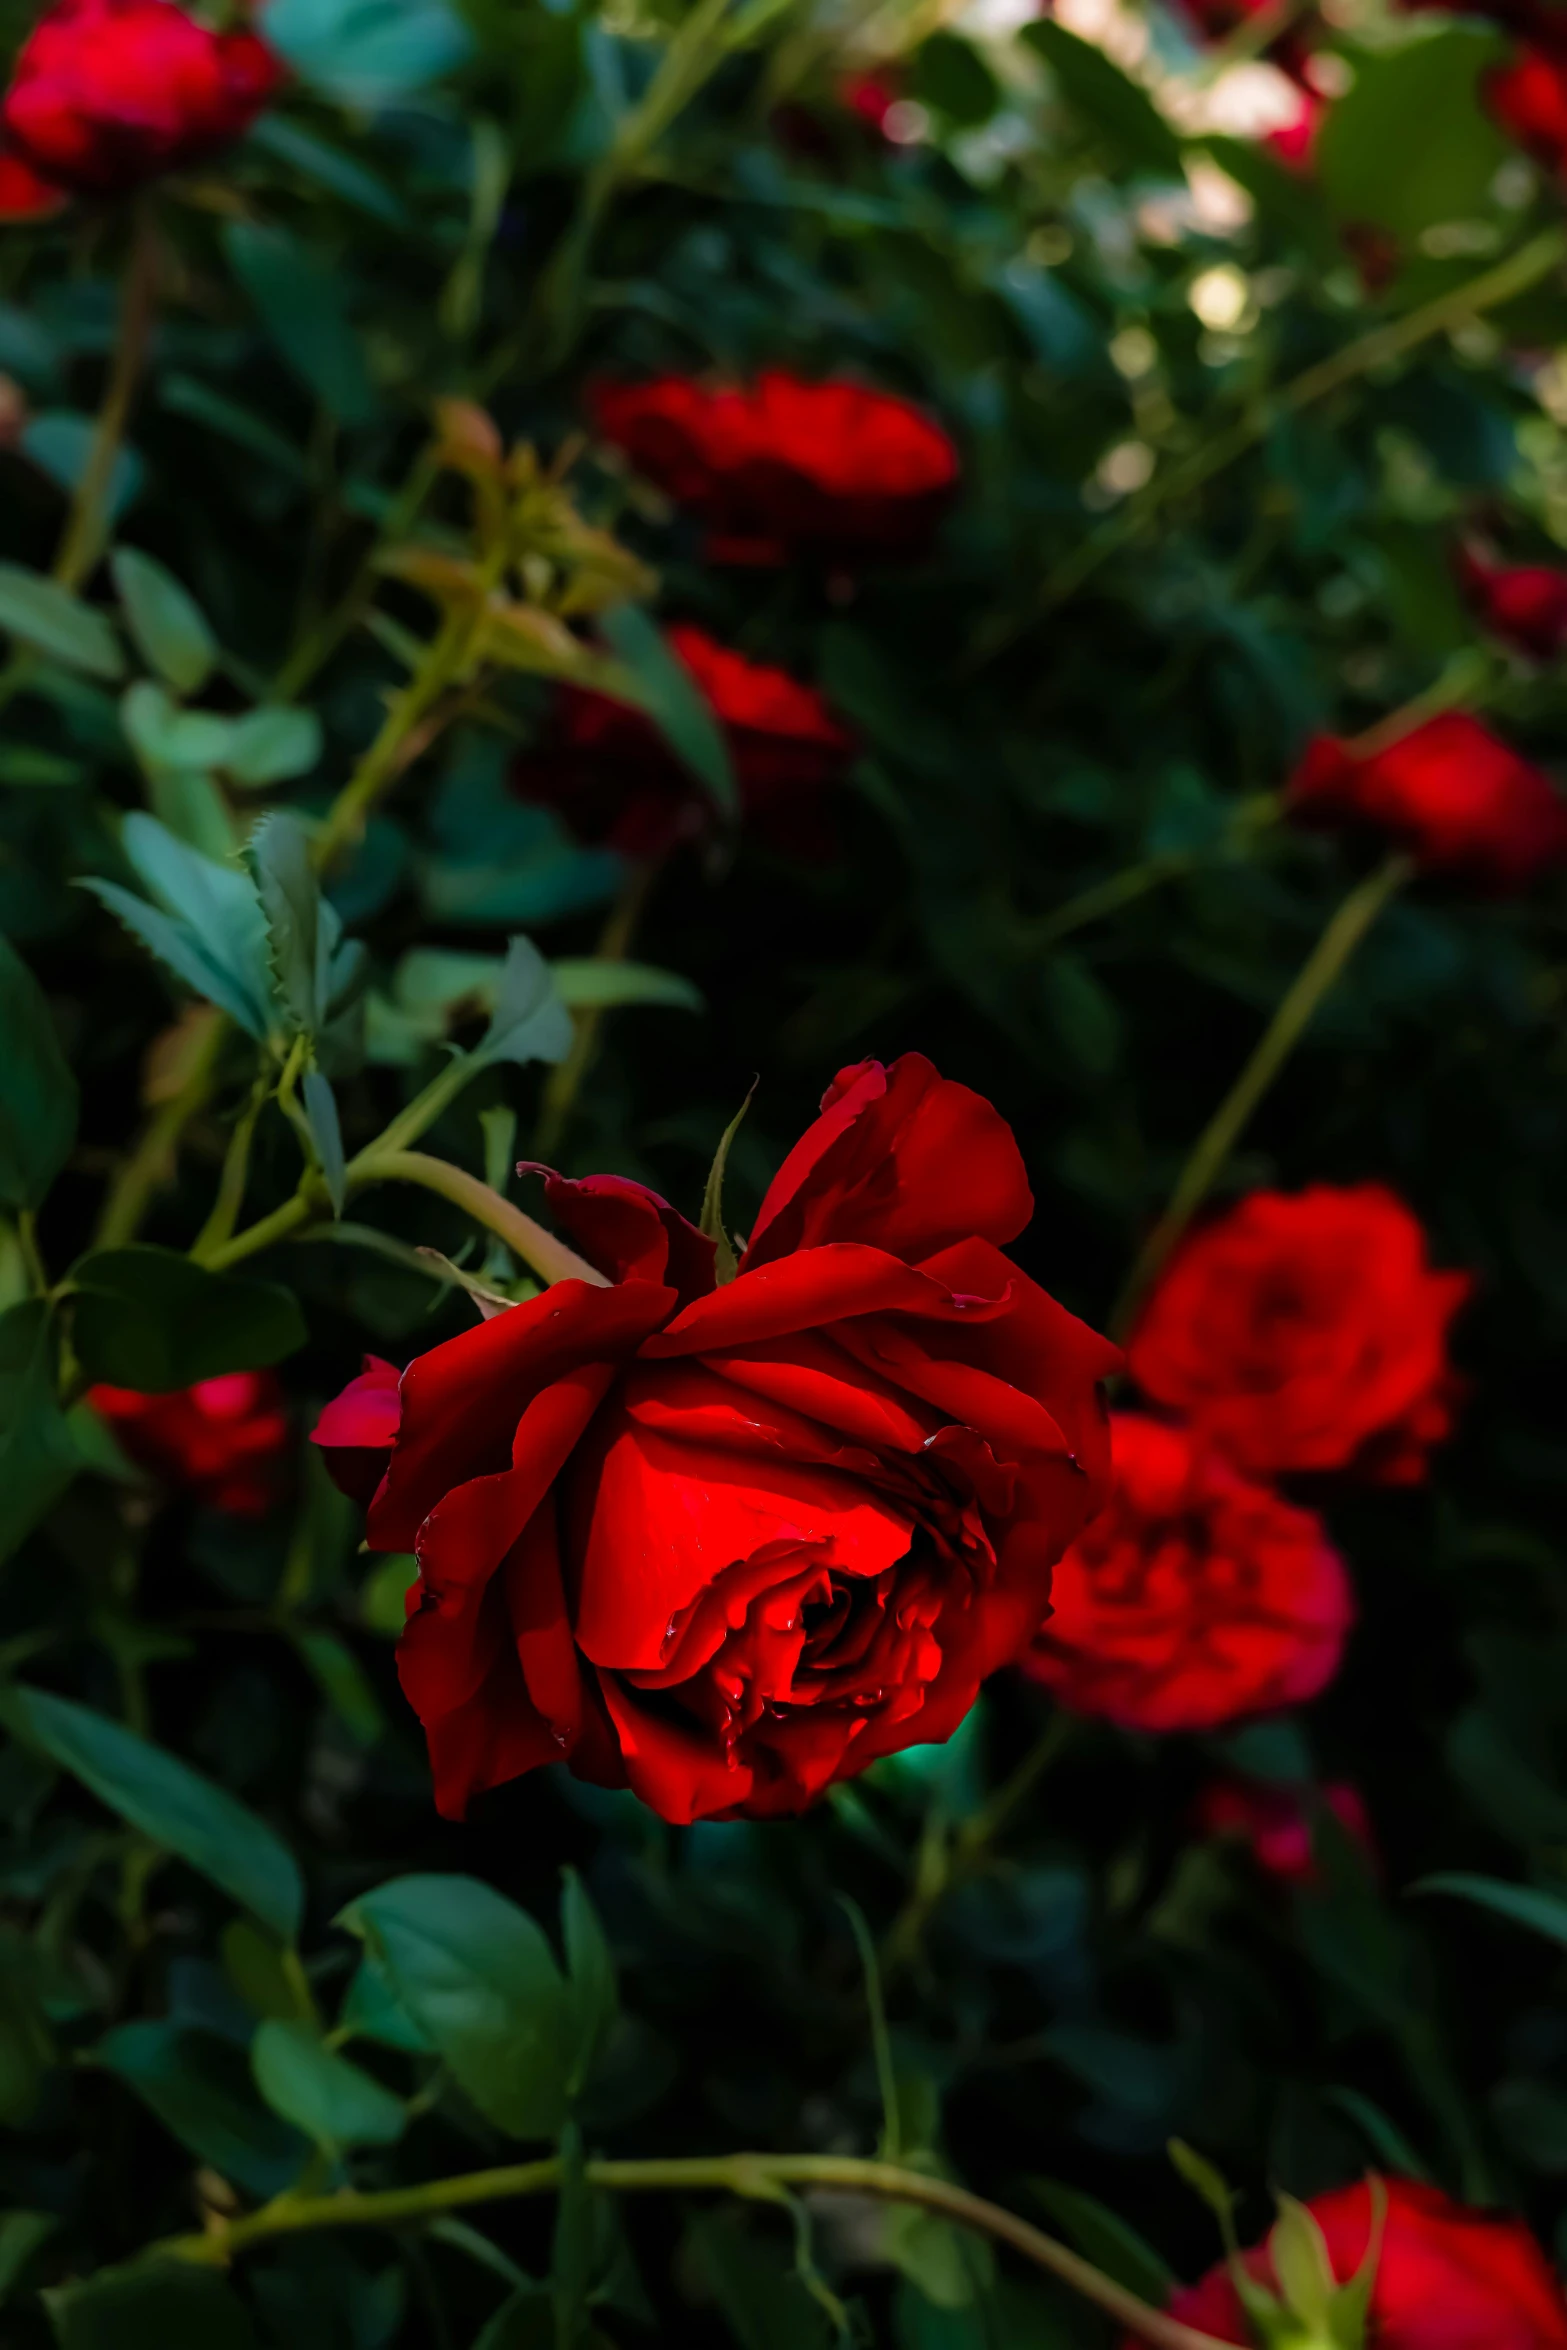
x: 1295, y: 1335
x: 108, y: 94
x: 727, y: 1541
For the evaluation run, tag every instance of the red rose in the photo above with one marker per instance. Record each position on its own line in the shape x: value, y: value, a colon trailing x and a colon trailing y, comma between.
x: 226, y: 1441
x: 1451, y: 791
x: 23, y: 195
x: 1277, y: 1822
x: 1197, y: 1597
x: 1529, y: 100
x: 613, y: 777
x: 1307, y: 1332
x: 871, y: 96
x: 837, y: 468
x: 109, y: 93
x: 1447, y: 2278
x: 727, y: 1544
x: 1524, y: 603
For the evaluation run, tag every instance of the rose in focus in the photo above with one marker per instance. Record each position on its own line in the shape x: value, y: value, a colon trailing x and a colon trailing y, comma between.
x: 225, y: 1441
x: 1446, y: 2279
x: 727, y: 1543
x: 1198, y: 1597
x: 1450, y: 791
x: 1307, y: 1331
x: 612, y: 776
x: 833, y: 468
x: 107, y: 94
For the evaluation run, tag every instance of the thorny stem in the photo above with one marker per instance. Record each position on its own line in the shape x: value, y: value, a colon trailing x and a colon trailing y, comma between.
x: 550, y: 1258
x: 754, y: 2177
x: 564, y: 1083
x: 1381, y: 347
x: 1317, y: 975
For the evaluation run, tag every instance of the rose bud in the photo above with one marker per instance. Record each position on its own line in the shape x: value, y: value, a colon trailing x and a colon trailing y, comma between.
x: 727, y: 1542
x: 1525, y: 604
x: 1197, y: 1598
x: 107, y: 94
x: 1277, y: 1822
x: 612, y: 776
x: 1450, y: 791
x: 224, y: 1441
x: 1307, y: 1331
x: 835, y: 469
x: 1444, y: 2278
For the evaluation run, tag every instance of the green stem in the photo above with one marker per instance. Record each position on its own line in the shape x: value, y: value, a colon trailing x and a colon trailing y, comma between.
x: 754, y: 2177
x: 550, y: 1258
x: 1382, y: 347
x: 231, y: 1182
x: 1462, y: 683
x: 564, y: 1083
x: 87, y: 525
x: 1316, y: 977
x: 403, y: 732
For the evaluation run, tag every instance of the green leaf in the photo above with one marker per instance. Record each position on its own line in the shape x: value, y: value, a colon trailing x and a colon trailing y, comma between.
x: 383, y: 1595
x: 590, y: 1976
x: 59, y: 441
x: 524, y: 2321
x: 23, y: 2235
x: 328, y: 166
x: 711, y: 1222
x: 178, y: 948
x: 1410, y: 144
x: 199, y: 2087
x: 151, y: 1319
x: 299, y: 298
x: 38, y: 1097
x: 530, y: 1023
x: 271, y: 745
x: 341, y: 1680
x: 38, y: 1453
x: 373, y: 2011
x: 764, y: 2302
x: 216, y: 908
x: 368, y: 53
x: 671, y: 697
x: 1103, y: 2237
x: 301, y: 928
x: 184, y: 395
x: 163, y: 735
x: 48, y: 619
x: 163, y: 1797
x: 1522, y: 1905
x: 1106, y: 98
x: 478, y: 1976
x: 588, y: 981
x: 327, y: 1135
x: 1302, y: 2265
x: 334, y: 2102
x: 1204, y: 2179
x: 167, y: 625
x: 157, y: 2305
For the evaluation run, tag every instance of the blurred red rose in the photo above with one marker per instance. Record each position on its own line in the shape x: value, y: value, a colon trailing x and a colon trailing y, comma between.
x: 1447, y: 2278
x: 225, y: 1441
x: 1197, y: 1597
x: 1523, y: 603
x: 834, y: 468
x: 871, y: 95
x: 1529, y: 100
x: 728, y: 1543
x: 1450, y: 791
x: 1277, y: 1821
x: 613, y: 777
x: 23, y: 195
x: 109, y: 93
x: 1295, y: 142
x: 1307, y: 1331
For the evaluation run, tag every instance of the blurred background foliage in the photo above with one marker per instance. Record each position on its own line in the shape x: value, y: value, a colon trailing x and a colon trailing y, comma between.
x: 1223, y: 420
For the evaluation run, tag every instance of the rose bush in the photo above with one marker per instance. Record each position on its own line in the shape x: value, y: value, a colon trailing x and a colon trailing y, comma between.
x: 726, y: 1544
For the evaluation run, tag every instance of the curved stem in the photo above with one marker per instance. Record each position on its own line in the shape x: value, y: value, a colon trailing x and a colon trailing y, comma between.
x: 231, y: 1182
x: 404, y: 735
x: 550, y: 1258
x: 86, y: 528
x: 1224, y: 1129
x: 1462, y: 683
x: 1382, y: 347
x: 754, y: 2177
